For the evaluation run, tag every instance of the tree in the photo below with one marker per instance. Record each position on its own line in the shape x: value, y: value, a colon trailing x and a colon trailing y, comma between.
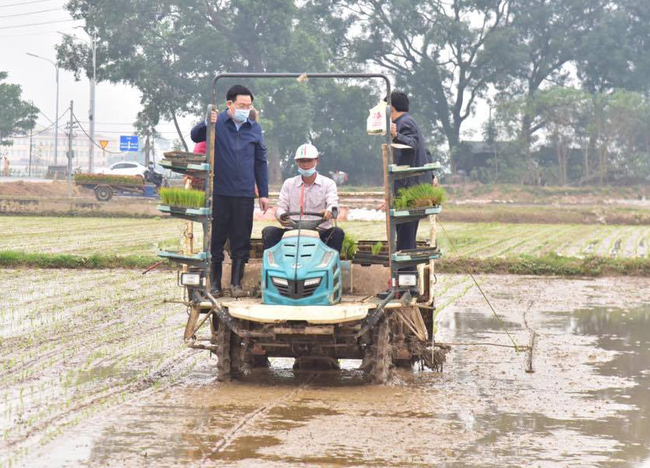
x: 561, y: 108
x: 616, y: 51
x: 17, y: 117
x: 170, y: 50
x: 545, y: 37
x: 444, y: 54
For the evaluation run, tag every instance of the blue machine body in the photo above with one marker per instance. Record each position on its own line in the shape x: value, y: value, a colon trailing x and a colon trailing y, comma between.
x: 301, y: 271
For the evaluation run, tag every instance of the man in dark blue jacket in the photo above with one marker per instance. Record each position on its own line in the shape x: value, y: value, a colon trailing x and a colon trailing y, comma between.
x: 240, y: 164
x: 406, y: 131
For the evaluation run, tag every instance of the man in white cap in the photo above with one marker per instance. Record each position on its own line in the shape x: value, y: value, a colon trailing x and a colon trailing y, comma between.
x: 307, y: 192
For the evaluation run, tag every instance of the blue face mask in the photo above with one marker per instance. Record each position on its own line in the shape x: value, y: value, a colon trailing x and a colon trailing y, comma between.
x: 307, y: 172
x: 241, y: 115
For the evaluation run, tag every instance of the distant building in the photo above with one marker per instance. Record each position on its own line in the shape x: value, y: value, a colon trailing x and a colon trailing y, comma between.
x: 42, y: 151
x: 476, y: 154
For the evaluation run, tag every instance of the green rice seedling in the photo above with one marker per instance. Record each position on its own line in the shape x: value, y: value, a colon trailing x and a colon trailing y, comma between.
x: 182, y: 197
x: 420, y: 196
x: 350, y: 246
x: 112, y: 179
x: 376, y: 249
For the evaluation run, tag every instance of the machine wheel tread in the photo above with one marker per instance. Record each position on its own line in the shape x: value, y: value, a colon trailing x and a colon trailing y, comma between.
x: 228, y: 354
x: 382, y: 354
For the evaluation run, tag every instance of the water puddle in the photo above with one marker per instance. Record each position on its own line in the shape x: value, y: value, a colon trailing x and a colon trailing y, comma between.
x: 605, y: 440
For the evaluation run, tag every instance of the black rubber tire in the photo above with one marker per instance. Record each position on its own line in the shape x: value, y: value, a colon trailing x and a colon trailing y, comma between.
x: 382, y: 354
x: 229, y: 354
x: 103, y: 193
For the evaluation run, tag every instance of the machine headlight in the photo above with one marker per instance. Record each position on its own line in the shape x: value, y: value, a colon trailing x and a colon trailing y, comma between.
x: 408, y: 280
x: 271, y: 259
x: 279, y: 281
x: 326, y: 259
x: 191, y: 279
x: 312, y: 281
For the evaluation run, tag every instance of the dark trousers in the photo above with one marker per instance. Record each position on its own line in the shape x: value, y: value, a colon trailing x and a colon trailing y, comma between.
x: 232, y: 218
x: 406, y: 235
x: 332, y: 237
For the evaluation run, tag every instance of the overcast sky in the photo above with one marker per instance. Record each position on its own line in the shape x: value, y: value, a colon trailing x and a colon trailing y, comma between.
x: 22, y: 31
x: 32, y: 26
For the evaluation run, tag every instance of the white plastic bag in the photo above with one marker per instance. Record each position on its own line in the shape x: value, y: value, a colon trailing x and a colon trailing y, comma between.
x: 376, y: 124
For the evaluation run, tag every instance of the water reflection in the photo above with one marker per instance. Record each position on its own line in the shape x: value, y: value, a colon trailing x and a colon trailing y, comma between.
x: 628, y: 332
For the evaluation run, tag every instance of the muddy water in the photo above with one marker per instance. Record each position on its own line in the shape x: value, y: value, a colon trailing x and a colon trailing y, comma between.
x: 586, y: 404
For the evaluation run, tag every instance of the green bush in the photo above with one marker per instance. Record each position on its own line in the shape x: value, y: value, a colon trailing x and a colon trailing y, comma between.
x: 419, y: 196
x: 183, y: 197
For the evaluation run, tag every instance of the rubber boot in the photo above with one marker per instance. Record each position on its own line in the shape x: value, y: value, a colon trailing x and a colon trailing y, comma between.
x: 215, y: 279
x: 236, y: 275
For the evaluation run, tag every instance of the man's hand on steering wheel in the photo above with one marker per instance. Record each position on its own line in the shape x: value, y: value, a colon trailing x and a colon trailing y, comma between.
x: 326, y: 214
x: 285, y: 220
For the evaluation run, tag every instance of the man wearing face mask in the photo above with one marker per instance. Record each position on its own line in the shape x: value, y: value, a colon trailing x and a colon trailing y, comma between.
x: 307, y: 192
x: 240, y: 164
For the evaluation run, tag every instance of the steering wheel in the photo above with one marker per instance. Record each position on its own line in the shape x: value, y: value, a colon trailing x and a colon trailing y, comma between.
x: 308, y: 224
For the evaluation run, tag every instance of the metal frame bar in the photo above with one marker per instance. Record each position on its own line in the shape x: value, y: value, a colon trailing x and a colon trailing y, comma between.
x: 387, y: 152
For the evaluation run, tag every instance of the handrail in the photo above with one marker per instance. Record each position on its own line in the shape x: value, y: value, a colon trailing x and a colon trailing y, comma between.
x: 308, y: 76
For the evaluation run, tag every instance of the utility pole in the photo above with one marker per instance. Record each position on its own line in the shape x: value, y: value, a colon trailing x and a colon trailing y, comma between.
x: 91, y: 112
x: 29, y: 168
x: 70, y: 135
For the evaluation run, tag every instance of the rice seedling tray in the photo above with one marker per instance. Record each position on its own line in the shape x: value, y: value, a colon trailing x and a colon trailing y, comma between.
x: 184, y: 157
x: 199, y: 260
x: 416, y: 256
x: 87, y: 179
x: 399, y: 172
x: 367, y: 258
x: 189, y: 214
x: 193, y: 169
x: 404, y: 215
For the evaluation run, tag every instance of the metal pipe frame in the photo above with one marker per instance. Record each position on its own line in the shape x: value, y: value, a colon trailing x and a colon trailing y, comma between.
x: 392, y: 233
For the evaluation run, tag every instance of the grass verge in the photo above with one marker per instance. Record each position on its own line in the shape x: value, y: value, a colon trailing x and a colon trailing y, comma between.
x: 15, y: 259
x: 548, y: 265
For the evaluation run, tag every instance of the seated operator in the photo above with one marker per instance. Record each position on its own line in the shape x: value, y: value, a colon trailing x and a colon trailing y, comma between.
x: 307, y: 192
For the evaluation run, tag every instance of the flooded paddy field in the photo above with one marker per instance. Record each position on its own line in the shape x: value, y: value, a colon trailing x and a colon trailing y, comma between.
x: 128, y: 236
x: 93, y: 373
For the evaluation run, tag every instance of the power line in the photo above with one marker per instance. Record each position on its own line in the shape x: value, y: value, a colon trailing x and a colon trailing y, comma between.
x: 122, y: 132
x: 25, y: 3
x: 93, y: 141
x: 37, y: 24
x: 42, y: 33
x: 41, y: 131
x: 30, y: 13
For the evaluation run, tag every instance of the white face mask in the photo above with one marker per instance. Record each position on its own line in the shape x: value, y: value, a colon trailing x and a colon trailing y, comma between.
x: 241, y: 115
x: 307, y: 172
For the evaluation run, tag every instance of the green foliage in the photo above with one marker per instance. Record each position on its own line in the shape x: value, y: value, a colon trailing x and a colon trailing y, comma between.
x: 419, y: 196
x: 171, y: 50
x: 376, y: 249
x: 183, y: 197
x: 17, y: 117
x: 350, y: 246
x: 110, y: 179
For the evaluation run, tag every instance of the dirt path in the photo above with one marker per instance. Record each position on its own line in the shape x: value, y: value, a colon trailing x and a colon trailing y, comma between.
x: 587, y: 404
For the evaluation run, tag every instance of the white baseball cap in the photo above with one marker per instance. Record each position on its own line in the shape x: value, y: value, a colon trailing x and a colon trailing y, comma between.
x: 306, y: 151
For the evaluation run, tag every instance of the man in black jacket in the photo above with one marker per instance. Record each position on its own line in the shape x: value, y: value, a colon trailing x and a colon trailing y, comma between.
x: 405, y: 131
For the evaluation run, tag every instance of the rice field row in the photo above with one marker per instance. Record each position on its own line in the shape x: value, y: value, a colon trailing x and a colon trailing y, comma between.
x: 123, y: 236
x: 74, y: 344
